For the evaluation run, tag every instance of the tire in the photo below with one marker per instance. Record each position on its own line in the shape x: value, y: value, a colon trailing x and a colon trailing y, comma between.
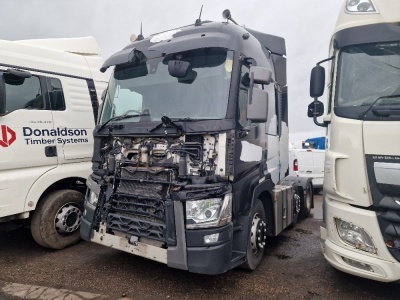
x: 306, y: 204
x: 257, y: 236
x: 57, y: 218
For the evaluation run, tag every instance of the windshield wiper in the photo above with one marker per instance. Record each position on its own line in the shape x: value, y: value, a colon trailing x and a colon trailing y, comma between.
x: 127, y: 115
x: 373, y: 103
x: 167, y: 122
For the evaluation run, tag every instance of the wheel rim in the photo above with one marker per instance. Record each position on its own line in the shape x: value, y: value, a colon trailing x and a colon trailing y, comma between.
x: 68, y: 218
x: 258, y: 234
x: 297, y: 201
x: 308, y: 198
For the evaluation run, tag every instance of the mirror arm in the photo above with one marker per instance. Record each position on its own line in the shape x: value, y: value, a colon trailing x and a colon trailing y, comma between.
x: 319, y: 123
x: 316, y: 122
x: 251, y: 85
x: 325, y: 60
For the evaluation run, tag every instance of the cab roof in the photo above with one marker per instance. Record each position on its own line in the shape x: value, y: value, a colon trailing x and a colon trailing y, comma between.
x: 206, y: 34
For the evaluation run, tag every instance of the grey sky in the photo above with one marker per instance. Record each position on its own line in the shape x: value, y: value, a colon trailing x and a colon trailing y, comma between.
x: 305, y: 24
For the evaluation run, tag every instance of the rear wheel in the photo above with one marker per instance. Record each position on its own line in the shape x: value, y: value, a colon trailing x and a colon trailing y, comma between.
x: 57, y: 218
x: 296, y: 206
x: 257, y: 236
x: 305, y: 208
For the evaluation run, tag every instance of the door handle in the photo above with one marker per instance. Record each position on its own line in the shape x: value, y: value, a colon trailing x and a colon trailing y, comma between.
x: 50, y: 151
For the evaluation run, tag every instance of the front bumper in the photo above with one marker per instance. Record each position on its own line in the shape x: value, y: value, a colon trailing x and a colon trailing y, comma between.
x: 190, y: 252
x: 380, y: 267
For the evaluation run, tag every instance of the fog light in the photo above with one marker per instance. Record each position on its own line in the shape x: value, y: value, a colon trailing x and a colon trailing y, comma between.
x: 358, y: 264
x: 355, y: 236
x: 211, y: 238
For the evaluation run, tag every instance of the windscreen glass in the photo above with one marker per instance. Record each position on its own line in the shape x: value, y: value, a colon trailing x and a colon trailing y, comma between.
x: 368, y: 80
x: 150, y: 89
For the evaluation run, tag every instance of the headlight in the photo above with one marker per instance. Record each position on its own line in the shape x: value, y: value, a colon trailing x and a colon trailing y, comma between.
x: 213, y: 212
x: 92, y: 198
x: 354, y: 235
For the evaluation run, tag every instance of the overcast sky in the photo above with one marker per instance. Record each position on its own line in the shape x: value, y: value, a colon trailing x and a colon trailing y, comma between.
x: 306, y: 26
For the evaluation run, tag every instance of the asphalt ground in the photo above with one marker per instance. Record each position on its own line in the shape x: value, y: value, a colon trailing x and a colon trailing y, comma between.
x: 293, y: 268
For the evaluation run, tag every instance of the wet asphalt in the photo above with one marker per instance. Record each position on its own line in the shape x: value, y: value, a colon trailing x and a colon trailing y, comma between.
x: 293, y: 268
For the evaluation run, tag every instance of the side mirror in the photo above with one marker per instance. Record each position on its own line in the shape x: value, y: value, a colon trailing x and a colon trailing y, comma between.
x: 257, y: 106
x: 178, y: 68
x: 260, y: 75
x: 19, y: 73
x: 317, y: 81
x: 315, y: 109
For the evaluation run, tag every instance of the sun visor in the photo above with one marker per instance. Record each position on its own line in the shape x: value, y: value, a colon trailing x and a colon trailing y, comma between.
x: 120, y: 57
x: 190, y: 42
x: 372, y: 33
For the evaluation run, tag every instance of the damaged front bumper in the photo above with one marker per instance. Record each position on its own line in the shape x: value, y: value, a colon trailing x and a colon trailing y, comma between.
x: 204, y: 251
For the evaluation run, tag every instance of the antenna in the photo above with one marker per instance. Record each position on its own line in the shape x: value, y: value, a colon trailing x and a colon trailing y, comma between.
x: 198, y: 21
x: 226, y: 14
x: 140, y: 37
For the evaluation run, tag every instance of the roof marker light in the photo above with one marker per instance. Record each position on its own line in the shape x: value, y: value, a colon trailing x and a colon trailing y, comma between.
x: 361, y: 6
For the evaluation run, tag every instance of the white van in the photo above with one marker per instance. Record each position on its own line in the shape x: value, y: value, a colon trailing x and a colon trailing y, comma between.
x: 49, y: 91
x: 307, y: 163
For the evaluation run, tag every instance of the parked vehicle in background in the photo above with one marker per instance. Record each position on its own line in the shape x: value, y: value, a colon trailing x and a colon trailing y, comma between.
x: 191, y: 151
x: 314, y: 143
x: 307, y: 163
x: 48, y: 106
x: 361, y: 232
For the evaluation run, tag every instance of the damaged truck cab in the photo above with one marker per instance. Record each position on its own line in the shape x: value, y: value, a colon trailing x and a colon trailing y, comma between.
x: 191, y: 150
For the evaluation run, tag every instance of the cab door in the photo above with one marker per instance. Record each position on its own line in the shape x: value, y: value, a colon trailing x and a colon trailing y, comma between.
x: 27, y: 142
x: 73, y: 118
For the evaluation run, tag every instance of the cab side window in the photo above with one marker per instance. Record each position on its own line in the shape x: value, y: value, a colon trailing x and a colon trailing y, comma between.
x: 22, y: 93
x: 56, y: 95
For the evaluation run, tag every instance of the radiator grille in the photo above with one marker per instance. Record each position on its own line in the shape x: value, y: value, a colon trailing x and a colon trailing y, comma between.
x: 138, y: 206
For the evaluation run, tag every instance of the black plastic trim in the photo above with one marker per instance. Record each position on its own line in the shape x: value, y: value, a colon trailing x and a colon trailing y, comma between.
x: 372, y: 33
x: 209, y: 260
x: 93, y: 98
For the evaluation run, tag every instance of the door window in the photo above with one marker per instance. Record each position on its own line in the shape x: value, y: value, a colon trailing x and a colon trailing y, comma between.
x: 22, y: 93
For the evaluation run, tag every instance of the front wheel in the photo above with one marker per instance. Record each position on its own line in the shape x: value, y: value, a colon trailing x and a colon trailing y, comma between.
x: 257, y: 236
x: 57, y: 218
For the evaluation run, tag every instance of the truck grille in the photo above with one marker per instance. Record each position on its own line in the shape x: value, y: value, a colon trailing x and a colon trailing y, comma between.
x: 138, y: 205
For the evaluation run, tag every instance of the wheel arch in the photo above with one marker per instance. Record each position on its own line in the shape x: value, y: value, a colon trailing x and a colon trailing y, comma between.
x: 263, y: 192
x: 56, y: 179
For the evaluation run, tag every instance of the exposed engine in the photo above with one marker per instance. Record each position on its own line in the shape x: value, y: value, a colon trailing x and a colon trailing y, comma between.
x: 145, y: 174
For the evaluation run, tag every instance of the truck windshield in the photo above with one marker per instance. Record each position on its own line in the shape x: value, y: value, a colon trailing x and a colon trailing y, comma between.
x: 368, y: 79
x: 147, y: 91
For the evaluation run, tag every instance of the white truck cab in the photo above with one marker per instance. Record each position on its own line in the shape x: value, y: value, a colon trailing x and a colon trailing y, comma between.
x: 49, y: 91
x: 361, y: 234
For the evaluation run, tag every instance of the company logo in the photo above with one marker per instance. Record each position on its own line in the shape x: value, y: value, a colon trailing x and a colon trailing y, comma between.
x: 7, y: 136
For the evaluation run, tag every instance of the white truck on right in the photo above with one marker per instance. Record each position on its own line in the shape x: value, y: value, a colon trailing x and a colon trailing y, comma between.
x: 361, y: 232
